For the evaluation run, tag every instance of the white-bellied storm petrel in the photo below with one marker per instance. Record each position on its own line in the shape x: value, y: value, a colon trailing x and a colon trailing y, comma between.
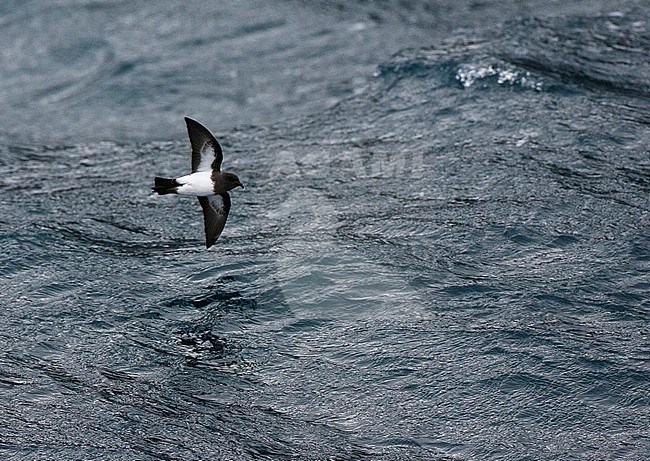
x: 206, y: 181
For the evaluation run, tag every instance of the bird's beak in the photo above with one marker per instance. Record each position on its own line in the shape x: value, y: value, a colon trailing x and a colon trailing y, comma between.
x: 242, y: 186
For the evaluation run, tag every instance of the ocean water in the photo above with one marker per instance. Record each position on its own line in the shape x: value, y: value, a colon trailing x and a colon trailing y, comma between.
x: 442, y: 251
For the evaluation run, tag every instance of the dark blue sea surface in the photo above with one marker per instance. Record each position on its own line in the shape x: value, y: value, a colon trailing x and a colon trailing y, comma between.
x: 442, y: 251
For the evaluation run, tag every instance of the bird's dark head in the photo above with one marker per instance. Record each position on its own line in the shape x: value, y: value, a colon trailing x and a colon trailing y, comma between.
x: 232, y: 181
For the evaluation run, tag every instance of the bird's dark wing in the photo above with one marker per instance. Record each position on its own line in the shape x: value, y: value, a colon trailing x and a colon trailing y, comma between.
x: 215, y: 213
x: 206, y: 151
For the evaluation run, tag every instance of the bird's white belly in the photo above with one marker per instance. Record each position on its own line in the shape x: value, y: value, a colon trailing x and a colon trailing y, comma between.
x: 196, y: 184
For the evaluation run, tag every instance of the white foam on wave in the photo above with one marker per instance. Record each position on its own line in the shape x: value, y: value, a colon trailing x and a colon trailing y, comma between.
x: 469, y: 74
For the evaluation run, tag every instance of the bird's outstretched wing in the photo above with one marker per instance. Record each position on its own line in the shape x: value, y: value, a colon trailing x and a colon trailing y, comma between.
x: 215, y: 213
x: 206, y: 151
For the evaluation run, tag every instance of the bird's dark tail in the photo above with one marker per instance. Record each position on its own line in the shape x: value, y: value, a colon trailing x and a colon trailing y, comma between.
x: 164, y: 186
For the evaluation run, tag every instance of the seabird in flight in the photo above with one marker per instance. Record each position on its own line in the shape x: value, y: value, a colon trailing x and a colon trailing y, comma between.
x: 207, y: 181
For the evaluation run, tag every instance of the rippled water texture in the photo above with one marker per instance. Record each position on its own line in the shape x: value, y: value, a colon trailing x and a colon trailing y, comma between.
x: 443, y: 254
